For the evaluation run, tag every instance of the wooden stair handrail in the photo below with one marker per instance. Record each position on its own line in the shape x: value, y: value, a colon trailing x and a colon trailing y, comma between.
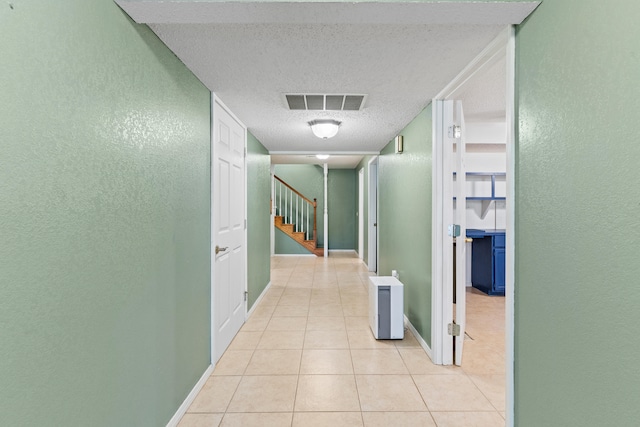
x: 314, y: 203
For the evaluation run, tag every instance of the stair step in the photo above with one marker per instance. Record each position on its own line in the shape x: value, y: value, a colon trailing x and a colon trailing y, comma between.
x: 298, y: 236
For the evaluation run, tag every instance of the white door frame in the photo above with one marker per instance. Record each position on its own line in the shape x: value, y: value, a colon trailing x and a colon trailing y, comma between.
x: 372, y: 227
x: 215, y: 99
x: 361, y: 214
x: 506, y: 38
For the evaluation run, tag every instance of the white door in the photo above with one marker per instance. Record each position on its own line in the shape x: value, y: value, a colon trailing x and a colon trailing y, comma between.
x: 373, y: 215
x: 361, y: 214
x: 460, y: 219
x: 448, y: 191
x: 227, y: 228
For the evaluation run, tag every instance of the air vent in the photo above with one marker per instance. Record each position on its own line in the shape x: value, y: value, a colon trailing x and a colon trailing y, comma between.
x: 329, y: 102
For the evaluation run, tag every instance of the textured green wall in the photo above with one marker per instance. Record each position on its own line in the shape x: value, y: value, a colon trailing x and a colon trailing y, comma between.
x: 342, y: 186
x: 404, y: 218
x: 104, y: 218
x: 577, y: 222
x: 308, y: 180
x: 258, y: 218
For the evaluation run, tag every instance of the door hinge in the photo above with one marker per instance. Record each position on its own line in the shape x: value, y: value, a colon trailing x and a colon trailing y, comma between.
x: 245, y: 224
x: 454, y: 131
x: 246, y: 295
x: 454, y: 230
x: 453, y: 329
x: 245, y: 152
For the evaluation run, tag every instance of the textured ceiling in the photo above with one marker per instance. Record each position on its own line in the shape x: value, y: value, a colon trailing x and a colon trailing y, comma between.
x: 484, y: 94
x: 399, y: 54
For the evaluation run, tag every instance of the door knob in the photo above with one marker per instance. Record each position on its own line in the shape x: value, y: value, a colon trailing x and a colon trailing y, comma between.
x: 219, y: 249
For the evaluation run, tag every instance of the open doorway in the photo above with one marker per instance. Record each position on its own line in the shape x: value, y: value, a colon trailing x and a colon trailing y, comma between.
x: 478, y: 145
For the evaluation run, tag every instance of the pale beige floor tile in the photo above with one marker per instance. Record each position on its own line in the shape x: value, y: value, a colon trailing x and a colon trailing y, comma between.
x: 451, y: 393
x: 493, y: 387
x: 281, y: 340
x: 263, y: 311
x: 357, y: 309
x: 325, y: 419
x: 256, y: 324
x: 325, y: 310
x: 215, y: 394
x: 268, y: 393
x: 417, y: 362
x: 409, y: 341
x: 409, y: 419
x: 322, y: 393
x: 468, y: 419
x: 326, y: 323
x: 325, y: 286
x: 300, y: 284
x: 245, y: 341
x: 291, y: 310
x: 389, y: 393
x: 503, y: 415
x: 358, y: 323
x: 293, y: 300
x: 292, y: 323
x: 326, y: 339
x: 364, y: 339
x: 293, y: 292
x: 278, y: 419
x: 482, y: 360
x: 270, y: 300
x: 373, y: 361
x: 325, y: 300
x: 200, y: 420
x: 274, y: 292
x: 274, y: 362
x: 326, y: 362
x: 233, y: 362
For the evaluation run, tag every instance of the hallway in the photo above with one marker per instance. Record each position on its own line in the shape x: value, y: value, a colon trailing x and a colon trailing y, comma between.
x: 306, y: 357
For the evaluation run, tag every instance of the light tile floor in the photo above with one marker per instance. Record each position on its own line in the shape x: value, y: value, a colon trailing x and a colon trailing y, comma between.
x: 306, y: 357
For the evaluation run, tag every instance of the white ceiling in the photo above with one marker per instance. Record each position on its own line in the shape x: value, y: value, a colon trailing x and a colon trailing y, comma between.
x: 399, y: 54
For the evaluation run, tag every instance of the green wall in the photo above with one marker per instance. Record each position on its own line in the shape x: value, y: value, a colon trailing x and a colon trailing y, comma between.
x: 342, y: 185
x: 258, y: 218
x: 104, y: 218
x: 404, y: 218
x: 577, y: 222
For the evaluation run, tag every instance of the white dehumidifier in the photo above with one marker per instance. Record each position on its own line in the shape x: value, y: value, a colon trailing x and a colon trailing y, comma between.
x: 386, y: 305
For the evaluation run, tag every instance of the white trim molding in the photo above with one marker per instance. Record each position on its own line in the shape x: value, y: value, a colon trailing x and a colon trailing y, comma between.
x: 173, y: 422
x: 258, y: 300
x: 418, y: 337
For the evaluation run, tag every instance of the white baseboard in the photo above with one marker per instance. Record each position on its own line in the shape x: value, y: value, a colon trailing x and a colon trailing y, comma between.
x: 173, y: 422
x: 255, y: 304
x: 420, y: 340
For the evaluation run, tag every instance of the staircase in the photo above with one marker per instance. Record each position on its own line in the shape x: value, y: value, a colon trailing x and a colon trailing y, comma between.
x: 294, y: 216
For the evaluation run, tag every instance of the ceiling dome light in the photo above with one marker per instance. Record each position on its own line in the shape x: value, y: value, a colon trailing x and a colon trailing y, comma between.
x: 324, y: 129
x: 322, y: 156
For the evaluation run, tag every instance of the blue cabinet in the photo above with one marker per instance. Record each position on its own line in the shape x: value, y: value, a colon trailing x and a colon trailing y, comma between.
x: 488, y: 260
